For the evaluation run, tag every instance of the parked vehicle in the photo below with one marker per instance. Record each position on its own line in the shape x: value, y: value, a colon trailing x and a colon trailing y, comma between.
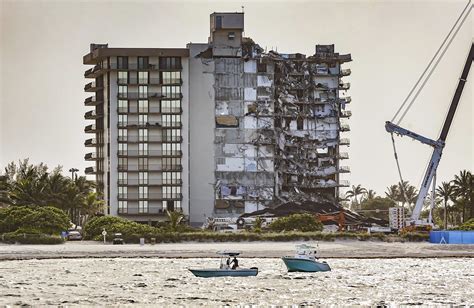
x: 74, y: 236
x: 118, y: 240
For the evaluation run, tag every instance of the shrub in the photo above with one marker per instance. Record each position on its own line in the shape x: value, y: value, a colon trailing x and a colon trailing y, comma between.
x: 416, y: 236
x: 29, y: 238
x: 296, y: 222
x: 45, y: 219
x: 112, y: 224
x: 467, y: 226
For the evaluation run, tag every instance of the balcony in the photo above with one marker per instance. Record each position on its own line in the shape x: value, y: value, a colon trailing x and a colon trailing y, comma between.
x: 92, y: 129
x: 344, y: 141
x: 92, y: 101
x: 92, y: 157
x: 345, y: 72
x: 150, y: 153
x: 132, y: 67
x: 172, y: 81
x: 92, y: 87
x: 151, y: 182
x: 149, y: 167
x: 342, y: 155
x: 93, y: 115
x: 345, y: 128
x: 149, y: 124
x: 150, y: 196
x: 92, y: 170
x: 135, y: 81
x: 344, y: 86
x: 344, y: 169
x: 94, y: 72
x: 150, y: 139
x: 92, y: 142
x: 346, y: 114
x: 137, y: 95
x: 174, y: 110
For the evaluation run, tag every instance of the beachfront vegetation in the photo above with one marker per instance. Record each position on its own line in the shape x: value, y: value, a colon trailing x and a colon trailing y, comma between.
x: 25, y: 184
x: 467, y: 226
x: 296, y: 222
x: 32, y: 225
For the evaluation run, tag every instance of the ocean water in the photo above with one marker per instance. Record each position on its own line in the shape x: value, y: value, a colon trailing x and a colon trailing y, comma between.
x: 168, y: 282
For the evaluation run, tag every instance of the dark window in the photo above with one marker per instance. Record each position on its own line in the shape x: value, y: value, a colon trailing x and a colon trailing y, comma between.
x: 122, y: 62
x: 218, y: 22
x: 299, y: 123
x: 261, y: 67
x: 170, y: 63
x: 142, y: 63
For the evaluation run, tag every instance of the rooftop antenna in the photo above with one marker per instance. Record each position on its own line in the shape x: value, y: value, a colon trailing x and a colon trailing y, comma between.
x: 243, y: 8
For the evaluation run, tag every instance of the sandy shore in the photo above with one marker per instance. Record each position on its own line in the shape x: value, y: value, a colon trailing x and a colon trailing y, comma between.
x: 337, y: 249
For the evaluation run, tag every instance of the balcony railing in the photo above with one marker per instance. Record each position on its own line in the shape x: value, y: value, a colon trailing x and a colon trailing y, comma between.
x: 172, y: 95
x: 343, y: 155
x: 91, y: 156
x: 92, y: 170
x: 345, y: 72
x: 171, y: 110
x: 92, y: 142
x: 91, y: 129
x: 150, y: 182
x: 149, y: 139
x: 93, y: 72
x: 92, y: 115
x: 344, y: 141
x: 344, y: 86
x: 137, y: 81
x: 132, y: 66
x: 345, y: 128
x: 346, y: 114
x: 344, y: 169
x: 92, y: 87
x: 137, y: 95
x: 150, y: 196
x: 157, y: 153
x: 149, y: 167
x: 92, y: 101
x: 172, y: 81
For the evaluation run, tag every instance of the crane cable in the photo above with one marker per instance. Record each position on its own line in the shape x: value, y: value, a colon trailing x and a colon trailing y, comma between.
x: 431, y: 62
x: 424, y: 83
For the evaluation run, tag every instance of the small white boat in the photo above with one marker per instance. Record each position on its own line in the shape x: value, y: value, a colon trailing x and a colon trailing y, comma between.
x: 225, y: 269
x: 305, y: 260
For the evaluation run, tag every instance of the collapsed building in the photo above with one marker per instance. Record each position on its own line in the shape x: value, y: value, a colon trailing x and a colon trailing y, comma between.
x: 216, y: 129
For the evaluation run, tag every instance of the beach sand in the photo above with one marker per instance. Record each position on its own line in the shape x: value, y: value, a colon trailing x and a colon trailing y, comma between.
x: 336, y: 249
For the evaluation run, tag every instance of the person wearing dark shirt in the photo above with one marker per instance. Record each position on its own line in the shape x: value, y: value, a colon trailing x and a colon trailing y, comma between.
x: 235, y: 263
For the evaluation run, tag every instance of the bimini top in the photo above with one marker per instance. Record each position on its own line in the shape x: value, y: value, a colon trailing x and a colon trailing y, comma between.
x: 305, y: 247
x: 228, y: 253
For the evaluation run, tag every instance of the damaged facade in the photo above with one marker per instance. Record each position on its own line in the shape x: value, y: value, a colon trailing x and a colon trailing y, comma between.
x: 254, y: 128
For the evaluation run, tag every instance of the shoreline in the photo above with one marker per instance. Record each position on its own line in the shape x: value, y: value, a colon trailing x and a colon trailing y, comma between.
x: 339, y: 249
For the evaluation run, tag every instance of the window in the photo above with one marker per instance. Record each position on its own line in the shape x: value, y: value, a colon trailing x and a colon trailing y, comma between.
x: 143, y: 77
x: 122, y: 91
x: 171, y: 178
x: 122, y: 191
x: 143, y: 206
x: 299, y: 123
x: 171, y: 91
x: 143, y: 192
x: 143, y: 149
x: 142, y: 177
x: 171, y: 120
x: 142, y: 62
x: 172, y: 135
x: 122, y: 163
x: 218, y: 22
x: 142, y: 134
x: 171, y: 106
x: 123, y: 206
x: 168, y: 63
x: 142, y: 119
x: 122, y: 148
x: 123, y: 77
x: 122, y: 106
x: 122, y: 62
x: 122, y: 177
x: 122, y: 134
x: 231, y: 36
x: 143, y: 106
x: 142, y: 163
x: 143, y: 91
x: 171, y: 77
x: 122, y: 120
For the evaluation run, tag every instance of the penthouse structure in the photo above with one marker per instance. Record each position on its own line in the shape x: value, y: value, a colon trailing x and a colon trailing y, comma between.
x: 215, y: 129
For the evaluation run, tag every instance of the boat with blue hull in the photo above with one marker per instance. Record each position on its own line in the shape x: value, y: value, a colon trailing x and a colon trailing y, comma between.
x: 225, y: 269
x: 305, y: 260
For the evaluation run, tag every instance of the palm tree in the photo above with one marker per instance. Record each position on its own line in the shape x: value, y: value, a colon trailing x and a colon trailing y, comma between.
x: 354, y: 192
x: 393, y: 193
x: 370, y: 194
x: 463, y: 187
x: 446, y: 192
x: 175, y: 218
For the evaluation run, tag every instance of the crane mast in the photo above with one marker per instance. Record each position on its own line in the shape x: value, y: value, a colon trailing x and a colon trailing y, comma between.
x: 438, y: 145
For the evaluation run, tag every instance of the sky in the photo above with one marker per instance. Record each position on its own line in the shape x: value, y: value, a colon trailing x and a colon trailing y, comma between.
x: 41, y: 83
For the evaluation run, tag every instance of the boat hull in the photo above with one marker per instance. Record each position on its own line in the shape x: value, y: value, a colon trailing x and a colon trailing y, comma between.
x: 207, y: 273
x: 304, y: 265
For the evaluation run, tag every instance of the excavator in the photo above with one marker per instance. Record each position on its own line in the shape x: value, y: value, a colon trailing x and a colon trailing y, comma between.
x: 414, y: 222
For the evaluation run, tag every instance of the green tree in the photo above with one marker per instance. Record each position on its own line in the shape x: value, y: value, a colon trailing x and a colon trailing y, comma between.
x: 44, y: 219
x: 354, y: 192
x: 377, y: 207
x: 175, y: 219
x: 446, y: 192
x: 463, y: 187
x: 393, y: 193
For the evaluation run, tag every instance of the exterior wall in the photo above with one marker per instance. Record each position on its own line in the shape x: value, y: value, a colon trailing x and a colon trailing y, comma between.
x: 201, y: 135
x: 113, y: 177
x: 185, y: 119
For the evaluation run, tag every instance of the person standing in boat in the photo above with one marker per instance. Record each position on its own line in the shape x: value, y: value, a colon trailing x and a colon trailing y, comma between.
x: 235, y: 264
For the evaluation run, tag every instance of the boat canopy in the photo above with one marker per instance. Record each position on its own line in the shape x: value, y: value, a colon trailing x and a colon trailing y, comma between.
x: 228, y: 253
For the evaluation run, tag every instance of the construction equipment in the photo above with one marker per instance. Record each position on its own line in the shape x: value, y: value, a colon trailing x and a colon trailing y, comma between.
x: 414, y: 221
x: 337, y: 217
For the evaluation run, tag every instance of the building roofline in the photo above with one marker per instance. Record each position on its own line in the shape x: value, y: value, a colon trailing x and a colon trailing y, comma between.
x: 101, y: 53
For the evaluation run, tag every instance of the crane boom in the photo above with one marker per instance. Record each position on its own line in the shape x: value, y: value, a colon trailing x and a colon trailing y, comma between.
x: 437, y: 145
